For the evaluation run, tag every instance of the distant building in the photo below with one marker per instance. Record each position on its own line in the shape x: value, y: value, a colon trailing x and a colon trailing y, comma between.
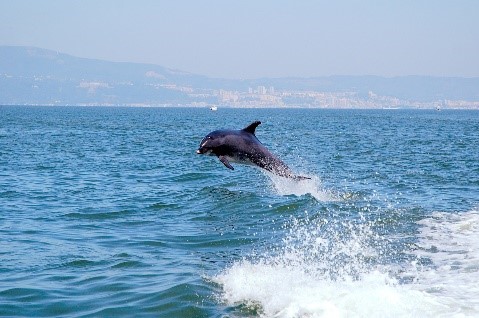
x: 261, y: 90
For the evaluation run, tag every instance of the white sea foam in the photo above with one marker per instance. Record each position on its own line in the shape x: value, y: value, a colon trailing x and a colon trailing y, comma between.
x: 289, y: 291
x: 313, y: 186
x: 324, y: 272
x: 450, y: 241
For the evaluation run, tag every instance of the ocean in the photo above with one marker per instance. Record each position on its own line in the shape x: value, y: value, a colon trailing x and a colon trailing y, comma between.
x: 109, y: 212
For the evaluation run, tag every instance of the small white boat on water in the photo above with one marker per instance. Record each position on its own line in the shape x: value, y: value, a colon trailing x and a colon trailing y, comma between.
x: 214, y: 108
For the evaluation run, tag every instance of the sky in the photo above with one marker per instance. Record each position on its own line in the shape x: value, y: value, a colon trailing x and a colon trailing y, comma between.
x: 257, y: 38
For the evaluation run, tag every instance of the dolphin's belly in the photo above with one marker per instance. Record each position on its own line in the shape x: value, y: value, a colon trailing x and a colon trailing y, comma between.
x: 242, y: 159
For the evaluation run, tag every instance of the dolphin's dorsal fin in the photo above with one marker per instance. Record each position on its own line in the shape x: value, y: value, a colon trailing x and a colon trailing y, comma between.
x: 252, y: 127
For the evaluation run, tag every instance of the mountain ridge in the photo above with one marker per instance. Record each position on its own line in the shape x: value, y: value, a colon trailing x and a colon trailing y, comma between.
x: 31, y: 75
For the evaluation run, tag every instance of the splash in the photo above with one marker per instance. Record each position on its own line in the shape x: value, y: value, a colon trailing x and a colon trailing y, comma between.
x: 331, y: 269
x: 313, y: 186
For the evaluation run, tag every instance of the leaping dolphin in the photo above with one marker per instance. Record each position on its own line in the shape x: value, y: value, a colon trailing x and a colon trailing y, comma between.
x: 242, y: 146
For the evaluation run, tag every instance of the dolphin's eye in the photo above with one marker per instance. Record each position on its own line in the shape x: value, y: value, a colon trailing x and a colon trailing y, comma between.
x: 206, y: 140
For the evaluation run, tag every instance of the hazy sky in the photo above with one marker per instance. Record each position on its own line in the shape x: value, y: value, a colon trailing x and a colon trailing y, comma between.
x: 257, y: 38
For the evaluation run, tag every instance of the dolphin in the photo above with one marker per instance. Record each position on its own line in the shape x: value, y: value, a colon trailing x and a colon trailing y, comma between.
x: 242, y: 146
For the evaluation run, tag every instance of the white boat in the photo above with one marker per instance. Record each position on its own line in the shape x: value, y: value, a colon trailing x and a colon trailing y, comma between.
x: 214, y: 108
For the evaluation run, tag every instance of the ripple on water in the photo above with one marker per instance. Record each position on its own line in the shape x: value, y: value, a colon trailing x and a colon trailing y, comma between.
x: 109, y: 212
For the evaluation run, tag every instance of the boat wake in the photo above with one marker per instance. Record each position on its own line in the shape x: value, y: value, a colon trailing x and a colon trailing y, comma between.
x: 449, y: 241
x: 333, y: 269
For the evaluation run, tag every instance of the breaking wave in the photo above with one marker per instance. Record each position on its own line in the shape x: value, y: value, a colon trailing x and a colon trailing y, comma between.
x: 334, y: 269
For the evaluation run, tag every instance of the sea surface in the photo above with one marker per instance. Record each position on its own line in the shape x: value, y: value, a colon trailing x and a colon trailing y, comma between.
x: 108, y: 212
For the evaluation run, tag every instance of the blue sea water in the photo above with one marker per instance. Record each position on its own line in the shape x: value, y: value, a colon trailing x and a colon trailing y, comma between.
x: 108, y: 212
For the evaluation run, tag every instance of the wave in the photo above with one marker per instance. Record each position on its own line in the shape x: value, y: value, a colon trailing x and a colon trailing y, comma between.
x: 332, y: 269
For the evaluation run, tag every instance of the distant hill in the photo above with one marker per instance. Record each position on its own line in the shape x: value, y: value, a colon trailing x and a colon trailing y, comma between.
x: 30, y: 75
x: 37, y: 76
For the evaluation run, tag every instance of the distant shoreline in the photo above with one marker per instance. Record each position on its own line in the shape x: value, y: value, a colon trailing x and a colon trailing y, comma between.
x: 207, y: 108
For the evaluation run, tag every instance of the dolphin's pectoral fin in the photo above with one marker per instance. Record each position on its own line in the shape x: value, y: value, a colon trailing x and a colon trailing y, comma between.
x: 226, y: 162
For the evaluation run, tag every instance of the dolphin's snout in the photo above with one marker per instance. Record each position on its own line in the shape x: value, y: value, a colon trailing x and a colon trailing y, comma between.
x: 201, y: 151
